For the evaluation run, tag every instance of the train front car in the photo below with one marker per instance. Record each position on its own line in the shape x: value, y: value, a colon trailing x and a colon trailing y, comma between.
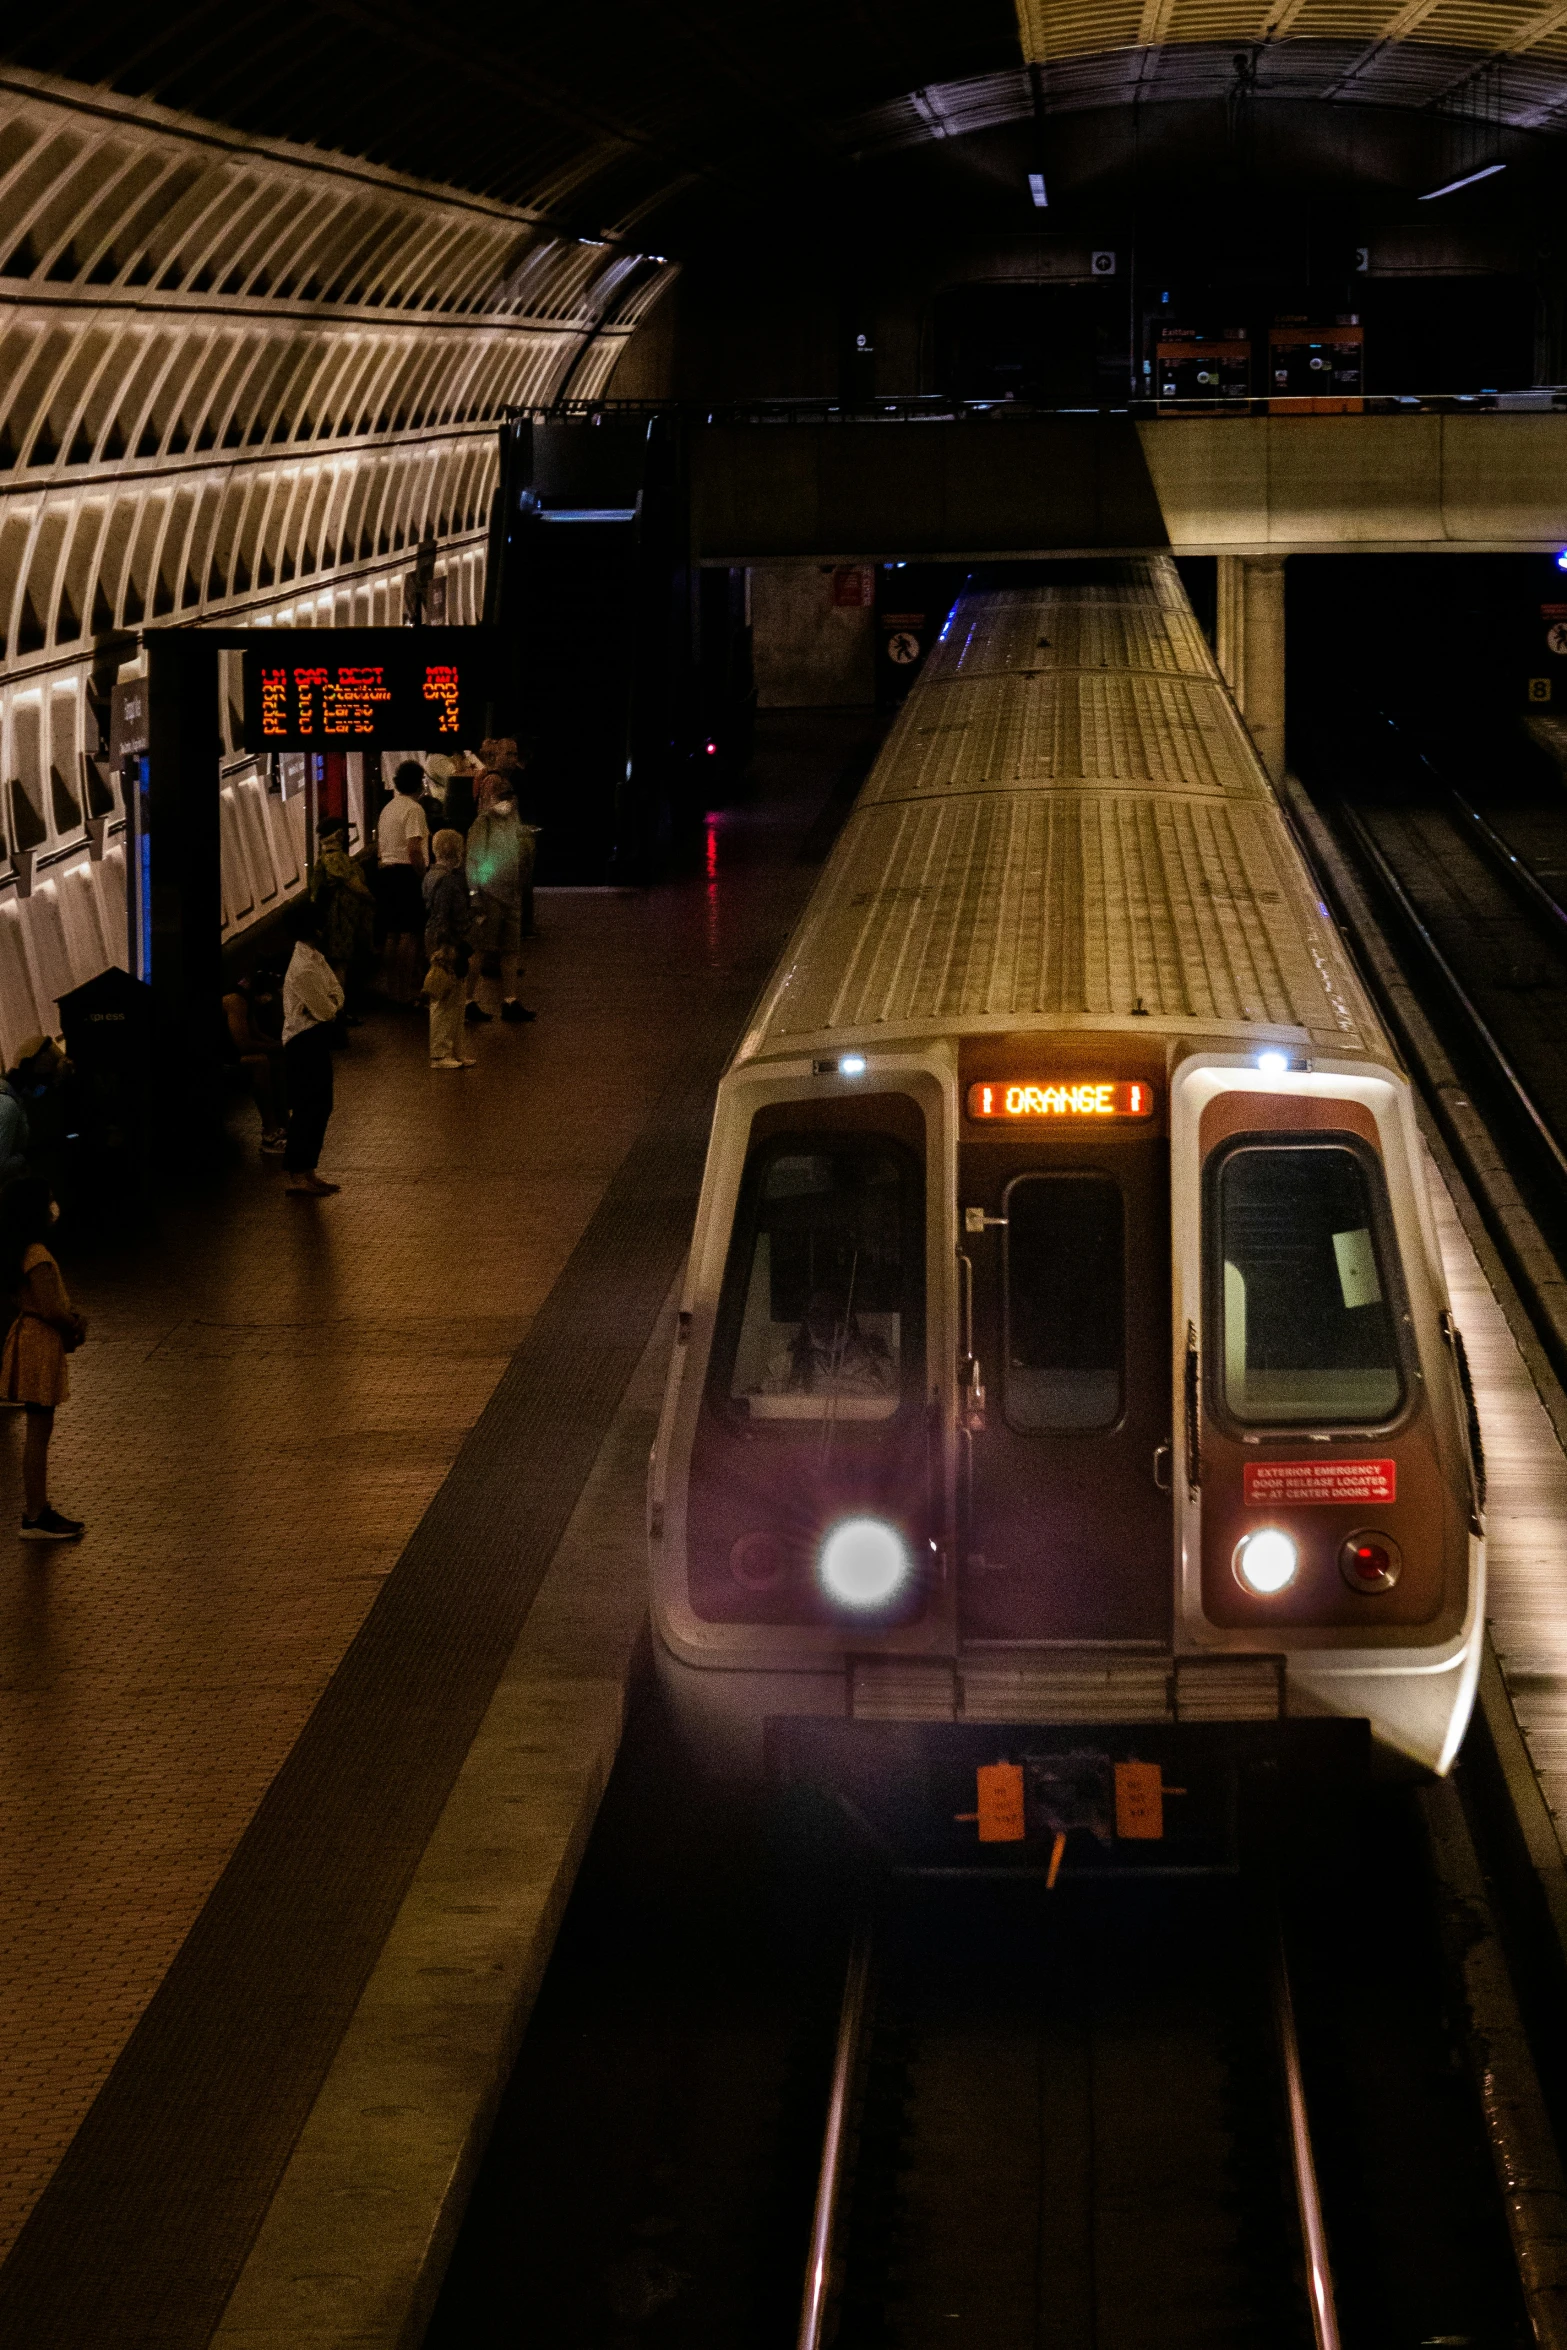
x: 1066, y: 1409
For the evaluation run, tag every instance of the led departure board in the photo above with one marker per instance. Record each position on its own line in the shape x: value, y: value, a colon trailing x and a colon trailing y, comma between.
x: 366, y: 689
x: 1010, y: 1098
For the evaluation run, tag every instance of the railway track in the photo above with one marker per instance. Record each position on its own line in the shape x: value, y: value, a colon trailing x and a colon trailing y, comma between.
x: 1489, y: 940
x: 1177, y: 2114
x: 1458, y: 915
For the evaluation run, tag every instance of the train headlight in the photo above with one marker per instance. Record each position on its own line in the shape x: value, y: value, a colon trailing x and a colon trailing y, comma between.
x: 863, y: 1562
x: 1265, y: 1562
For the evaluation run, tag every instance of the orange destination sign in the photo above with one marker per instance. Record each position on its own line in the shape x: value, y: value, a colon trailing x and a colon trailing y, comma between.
x: 1076, y: 1097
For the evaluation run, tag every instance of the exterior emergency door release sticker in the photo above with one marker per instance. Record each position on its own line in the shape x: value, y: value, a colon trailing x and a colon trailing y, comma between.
x: 1270, y: 1484
x: 1139, y: 1801
x: 1000, y: 1815
x: 1076, y: 1097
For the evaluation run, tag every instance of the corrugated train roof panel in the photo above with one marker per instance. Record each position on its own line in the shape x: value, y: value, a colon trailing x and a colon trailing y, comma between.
x: 1021, y: 907
x: 1076, y: 843
x: 1001, y: 634
x: 1071, y: 728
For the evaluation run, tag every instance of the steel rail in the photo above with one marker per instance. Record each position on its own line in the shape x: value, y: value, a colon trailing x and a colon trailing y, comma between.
x: 1458, y: 995
x: 824, y: 2222
x: 1308, y: 2199
x: 1513, y: 869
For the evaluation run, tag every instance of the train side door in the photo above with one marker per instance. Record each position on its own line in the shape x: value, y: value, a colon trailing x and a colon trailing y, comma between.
x: 1066, y: 1532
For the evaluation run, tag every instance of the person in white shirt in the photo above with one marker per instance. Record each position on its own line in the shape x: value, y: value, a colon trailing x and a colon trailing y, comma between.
x: 402, y: 847
x: 312, y: 999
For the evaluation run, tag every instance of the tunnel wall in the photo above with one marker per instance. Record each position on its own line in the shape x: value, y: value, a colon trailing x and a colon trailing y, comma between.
x: 240, y: 381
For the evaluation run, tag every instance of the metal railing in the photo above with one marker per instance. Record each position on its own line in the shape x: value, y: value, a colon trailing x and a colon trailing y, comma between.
x: 937, y: 408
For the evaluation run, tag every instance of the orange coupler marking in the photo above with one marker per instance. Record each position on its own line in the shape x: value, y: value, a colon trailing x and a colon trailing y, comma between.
x: 1139, y: 1801
x: 1056, y: 1850
x: 1000, y: 1803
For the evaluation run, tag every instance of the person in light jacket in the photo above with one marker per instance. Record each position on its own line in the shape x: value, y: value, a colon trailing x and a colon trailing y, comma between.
x: 498, y: 848
x: 312, y: 999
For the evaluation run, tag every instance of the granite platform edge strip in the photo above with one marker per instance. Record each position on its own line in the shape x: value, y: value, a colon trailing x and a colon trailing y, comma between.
x: 139, y: 2236
x: 356, y: 2242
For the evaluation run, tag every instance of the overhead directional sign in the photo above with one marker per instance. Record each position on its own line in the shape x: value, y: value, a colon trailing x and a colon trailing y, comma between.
x: 366, y: 689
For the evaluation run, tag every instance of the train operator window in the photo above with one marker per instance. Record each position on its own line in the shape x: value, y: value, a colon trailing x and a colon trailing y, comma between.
x: 1308, y: 1333
x: 822, y: 1296
x: 1065, y: 1303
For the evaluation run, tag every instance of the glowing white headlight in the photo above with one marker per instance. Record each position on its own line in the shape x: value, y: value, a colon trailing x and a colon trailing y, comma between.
x: 863, y: 1563
x: 1274, y: 1062
x: 1265, y: 1563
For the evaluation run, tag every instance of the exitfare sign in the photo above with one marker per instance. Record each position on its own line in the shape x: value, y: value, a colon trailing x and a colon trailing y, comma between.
x: 366, y: 689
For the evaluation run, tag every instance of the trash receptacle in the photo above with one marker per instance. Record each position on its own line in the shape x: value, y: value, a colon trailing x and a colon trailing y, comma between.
x: 107, y: 1026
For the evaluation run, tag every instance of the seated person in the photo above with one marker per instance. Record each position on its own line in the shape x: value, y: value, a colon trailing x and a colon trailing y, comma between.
x: 830, y: 1355
x: 37, y: 1086
x: 15, y: 1131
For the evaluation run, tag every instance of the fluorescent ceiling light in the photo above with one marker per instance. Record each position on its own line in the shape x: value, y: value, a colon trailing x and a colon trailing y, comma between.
x: 1036, y: 188
x: 1468, y: 181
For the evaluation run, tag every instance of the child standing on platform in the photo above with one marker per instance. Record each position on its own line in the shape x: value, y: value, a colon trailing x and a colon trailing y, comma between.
x: 47, y: 1328
x: 446, y: 925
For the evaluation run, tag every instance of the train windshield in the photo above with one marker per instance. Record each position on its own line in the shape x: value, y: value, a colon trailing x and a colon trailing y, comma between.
x: 1066, y: 1304
x: 1308, y: 1331
x: 826, y: 1280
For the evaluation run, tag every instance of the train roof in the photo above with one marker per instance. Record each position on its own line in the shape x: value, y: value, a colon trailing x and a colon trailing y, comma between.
x: 1067, y: 826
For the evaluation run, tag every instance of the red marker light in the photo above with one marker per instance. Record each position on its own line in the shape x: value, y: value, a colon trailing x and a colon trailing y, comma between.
x: 712, y: 750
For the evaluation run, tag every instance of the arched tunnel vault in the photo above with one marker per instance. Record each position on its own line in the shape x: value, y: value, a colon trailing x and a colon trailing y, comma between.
x: 270, y: 270
x: 242, y: 376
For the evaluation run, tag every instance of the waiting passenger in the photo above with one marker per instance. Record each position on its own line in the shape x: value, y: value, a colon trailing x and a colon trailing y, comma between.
x: 507, y: 775
x: 15, y: 1131
x: 402, y: 844
x: 497, y: 843
x: 346, y: 905
x: 41, y: 1077
x: 447, y: 923
x: 47, y: 1328
x: 253, y: 1018
x: 312, y: 1000
x: 831, y: 1355
x: 461, y: 805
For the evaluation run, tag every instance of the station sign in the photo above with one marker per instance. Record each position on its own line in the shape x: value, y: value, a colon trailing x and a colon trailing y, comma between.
x: 366, y: 689
x: 1008, y: 1100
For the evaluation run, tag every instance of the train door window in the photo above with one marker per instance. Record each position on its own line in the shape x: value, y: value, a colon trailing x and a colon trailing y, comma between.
x: 1065, y: 1370
x: 821, y: 1302
x: 1299, y: 1281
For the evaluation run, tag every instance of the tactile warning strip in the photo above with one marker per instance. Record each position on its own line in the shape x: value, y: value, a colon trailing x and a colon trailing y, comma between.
x: 138, y: 2239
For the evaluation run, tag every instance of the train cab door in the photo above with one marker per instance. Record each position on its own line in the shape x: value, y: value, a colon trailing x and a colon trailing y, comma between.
x: 1066, y: 1527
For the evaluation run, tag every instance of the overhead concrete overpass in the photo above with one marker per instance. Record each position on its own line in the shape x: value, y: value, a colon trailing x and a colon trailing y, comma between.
x: 1000, y: 488
x: 1249, y: 490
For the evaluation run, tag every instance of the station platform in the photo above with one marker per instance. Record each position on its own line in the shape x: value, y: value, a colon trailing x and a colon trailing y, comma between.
x: 327, y: 1453
x: 301, y: 1746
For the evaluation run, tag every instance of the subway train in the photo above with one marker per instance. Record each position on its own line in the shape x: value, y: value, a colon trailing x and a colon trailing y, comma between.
x: 1065, y: 1392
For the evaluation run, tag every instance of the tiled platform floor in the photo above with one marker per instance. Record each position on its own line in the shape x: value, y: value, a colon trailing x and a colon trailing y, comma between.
x: 266, y: 1404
